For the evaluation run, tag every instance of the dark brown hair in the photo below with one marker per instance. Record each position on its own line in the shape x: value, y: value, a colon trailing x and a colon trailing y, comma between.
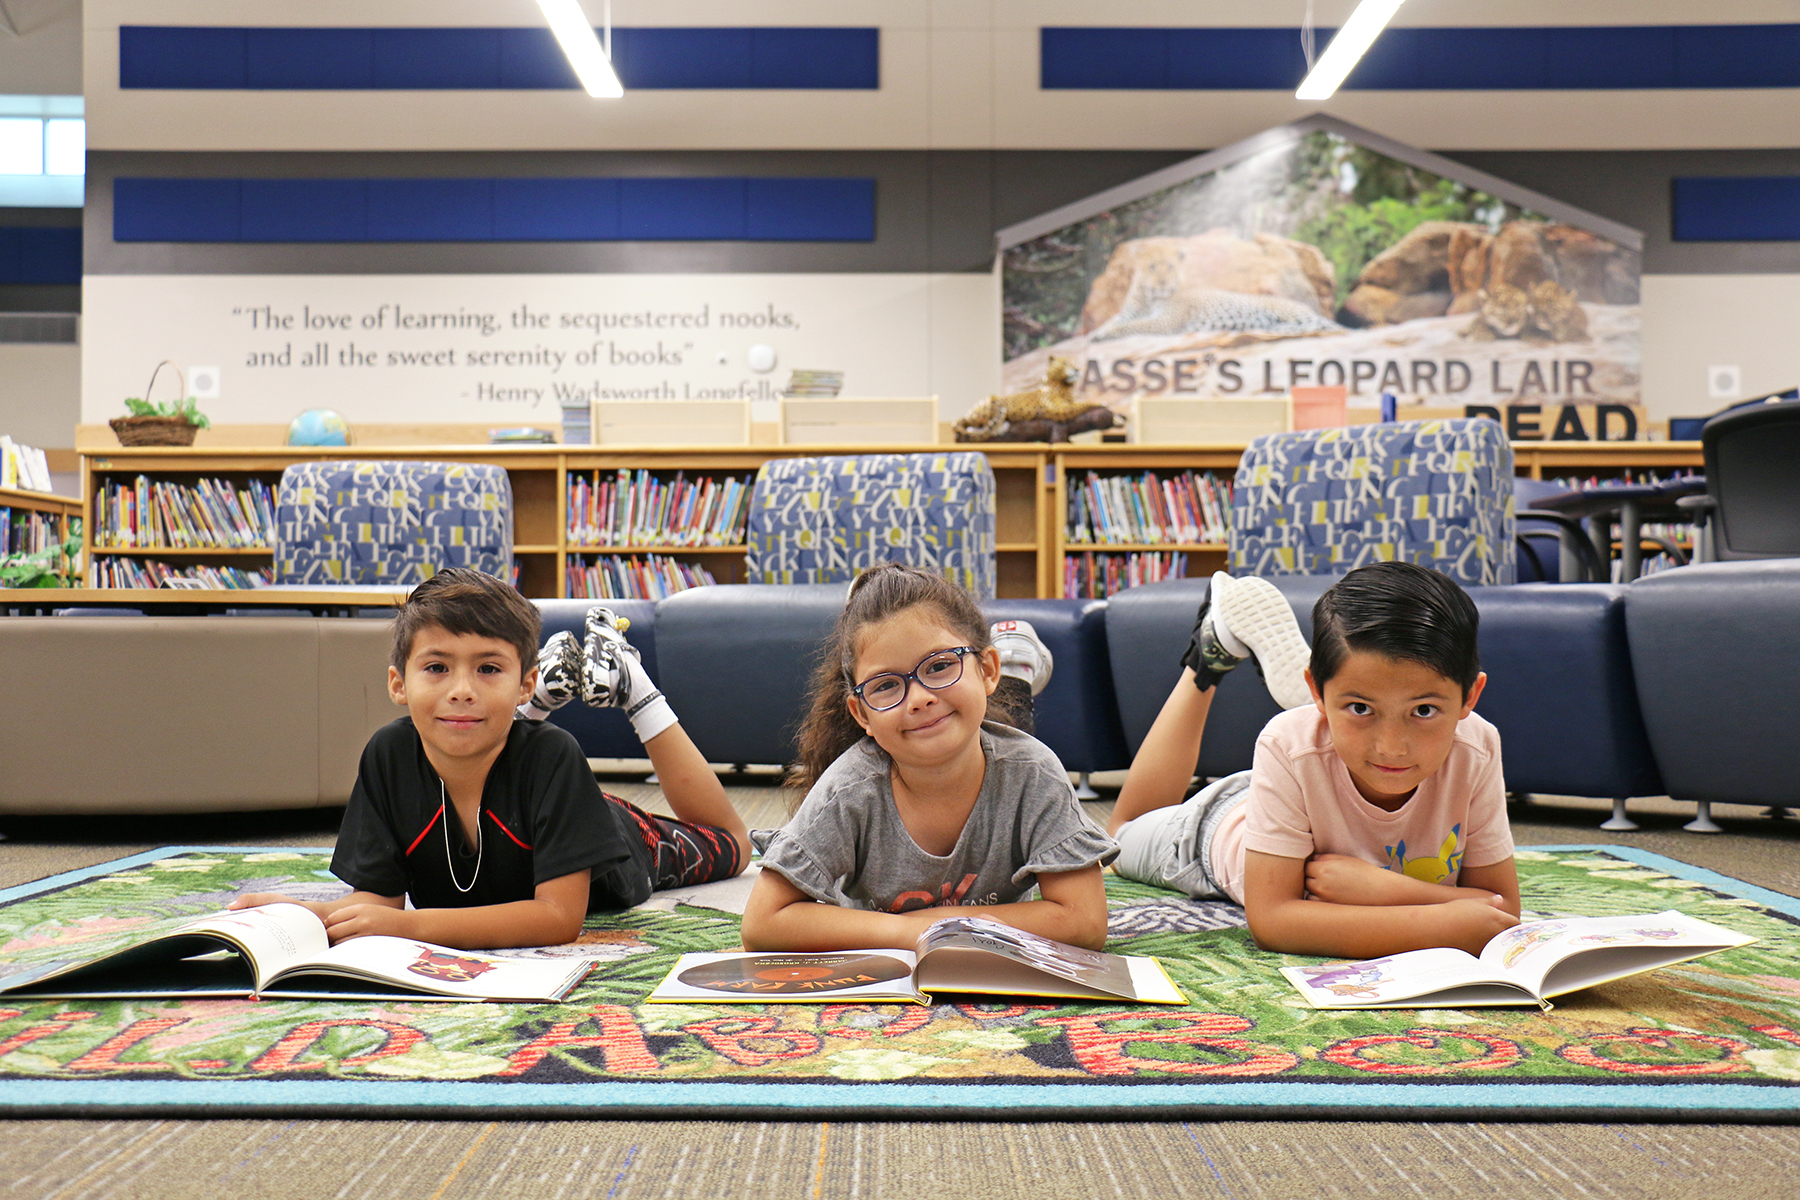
x: 879, y: 593
x: 464, y: 601
x: 1399, y: 610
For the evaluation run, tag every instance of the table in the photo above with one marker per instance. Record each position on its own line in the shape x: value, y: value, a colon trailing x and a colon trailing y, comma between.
x: 1634, y: 503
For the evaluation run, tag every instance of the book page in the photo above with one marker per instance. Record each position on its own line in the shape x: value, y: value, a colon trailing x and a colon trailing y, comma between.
x: 1108, y: 974
x: 272, y: 937
x: 421, y: 966
x: 1378, y: 982
x: 1554, y: 957
x: 740, y: 977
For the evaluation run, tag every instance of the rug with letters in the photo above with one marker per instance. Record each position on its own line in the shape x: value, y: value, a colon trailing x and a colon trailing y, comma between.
x: 1717, y: 1039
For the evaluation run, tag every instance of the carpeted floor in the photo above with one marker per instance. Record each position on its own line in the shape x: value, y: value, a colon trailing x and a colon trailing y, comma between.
x: 151, y: 1160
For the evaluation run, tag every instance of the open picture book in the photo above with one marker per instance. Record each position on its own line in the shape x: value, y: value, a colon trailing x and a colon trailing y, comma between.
x: 957, y: 954
x: 1526, y: 964
x: 281, y: 951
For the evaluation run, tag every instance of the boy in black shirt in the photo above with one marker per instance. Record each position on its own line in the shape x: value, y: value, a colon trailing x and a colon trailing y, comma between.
x: 493, y: 825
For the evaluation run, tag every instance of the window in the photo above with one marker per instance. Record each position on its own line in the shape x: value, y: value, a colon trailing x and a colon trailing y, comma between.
x: 43, y: 151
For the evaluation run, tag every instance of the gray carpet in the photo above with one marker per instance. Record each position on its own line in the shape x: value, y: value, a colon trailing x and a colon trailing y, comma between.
x: 1249, y: 1160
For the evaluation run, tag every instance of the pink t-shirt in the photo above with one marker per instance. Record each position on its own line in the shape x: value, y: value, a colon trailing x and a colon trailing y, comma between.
x: 1302, y: 802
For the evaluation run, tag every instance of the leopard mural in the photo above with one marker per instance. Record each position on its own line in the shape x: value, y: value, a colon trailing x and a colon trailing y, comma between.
x: 1158, y: 305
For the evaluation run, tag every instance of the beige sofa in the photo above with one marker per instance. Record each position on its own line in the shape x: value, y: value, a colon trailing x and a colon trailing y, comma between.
x: 186, y: 714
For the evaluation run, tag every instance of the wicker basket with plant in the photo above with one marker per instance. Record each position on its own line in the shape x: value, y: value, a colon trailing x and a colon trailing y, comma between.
x: 170, y: 423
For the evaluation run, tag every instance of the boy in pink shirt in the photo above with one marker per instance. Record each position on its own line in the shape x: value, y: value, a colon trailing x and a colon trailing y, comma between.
x: 1373, y: 818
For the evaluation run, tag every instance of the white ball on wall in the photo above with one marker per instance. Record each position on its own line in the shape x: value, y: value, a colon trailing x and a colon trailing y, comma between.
x: 761, y: 358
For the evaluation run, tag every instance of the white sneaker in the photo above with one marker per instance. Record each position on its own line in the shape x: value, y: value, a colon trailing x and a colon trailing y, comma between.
x: 1255, y: 614
x: 605, y: 678
x: 1022, y: 654
x: 558, y: 678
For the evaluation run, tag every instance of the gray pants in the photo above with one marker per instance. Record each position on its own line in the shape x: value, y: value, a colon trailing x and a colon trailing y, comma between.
x: 1172, y: 847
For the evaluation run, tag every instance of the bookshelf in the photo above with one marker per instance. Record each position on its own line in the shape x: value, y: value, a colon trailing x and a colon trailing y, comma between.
x: 27, y: 517
x: 1032, y: 482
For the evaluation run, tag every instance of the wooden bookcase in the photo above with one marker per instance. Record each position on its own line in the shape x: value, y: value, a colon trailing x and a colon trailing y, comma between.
x: 60, y: 509
x: 1031, y: 481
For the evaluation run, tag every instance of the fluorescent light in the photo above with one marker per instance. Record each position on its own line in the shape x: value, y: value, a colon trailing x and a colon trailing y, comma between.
x: 21, y: 146
x: 65, y: 146
x: 1346, y: 49
x: 576, y: 37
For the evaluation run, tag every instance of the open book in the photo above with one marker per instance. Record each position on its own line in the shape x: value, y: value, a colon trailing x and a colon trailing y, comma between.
x: 280, y: 951
x: 957, y: 954
x: 1526, y: 964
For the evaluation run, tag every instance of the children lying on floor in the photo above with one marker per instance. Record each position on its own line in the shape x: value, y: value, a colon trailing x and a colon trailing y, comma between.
x: 487, y: 817
x: 1373, y: 818
x: 916, y: 799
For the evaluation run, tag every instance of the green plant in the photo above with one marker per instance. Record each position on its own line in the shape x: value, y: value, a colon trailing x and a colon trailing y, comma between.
x: 41, y: 570
x: 169, y: 408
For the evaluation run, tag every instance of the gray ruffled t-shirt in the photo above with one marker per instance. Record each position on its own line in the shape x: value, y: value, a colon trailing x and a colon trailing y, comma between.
x: 847, y: 845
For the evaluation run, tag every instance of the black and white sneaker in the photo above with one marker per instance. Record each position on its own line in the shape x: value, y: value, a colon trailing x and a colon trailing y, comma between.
x: 605, y: 677
x: 558, y: 677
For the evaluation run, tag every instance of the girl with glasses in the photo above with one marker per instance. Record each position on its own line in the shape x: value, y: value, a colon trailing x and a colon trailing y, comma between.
x: 915, y: 799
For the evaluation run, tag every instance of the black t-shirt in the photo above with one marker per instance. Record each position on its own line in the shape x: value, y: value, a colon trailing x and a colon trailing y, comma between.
x: 542, y: 817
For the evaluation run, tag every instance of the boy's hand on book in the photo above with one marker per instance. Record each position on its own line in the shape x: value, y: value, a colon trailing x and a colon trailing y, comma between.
x: 1471, y: 924
x: 258, y: 899
x: 365, y: 920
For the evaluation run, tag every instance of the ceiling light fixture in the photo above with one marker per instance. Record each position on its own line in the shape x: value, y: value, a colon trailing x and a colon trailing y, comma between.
x: 592, y: 62
x: 1346, y: 49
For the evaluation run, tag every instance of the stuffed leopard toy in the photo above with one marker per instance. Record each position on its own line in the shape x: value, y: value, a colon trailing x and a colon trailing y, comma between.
x: 1049, y: 413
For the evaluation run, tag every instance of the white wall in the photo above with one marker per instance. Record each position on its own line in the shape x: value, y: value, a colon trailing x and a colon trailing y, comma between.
x: 354, y: 343
x: 955, y: 74
x: 40, y: 394
x: 1692, y: 322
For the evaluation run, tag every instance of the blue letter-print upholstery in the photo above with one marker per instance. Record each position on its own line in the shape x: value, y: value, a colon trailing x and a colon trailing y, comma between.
x: 822, y: 520
x: 1325, y: 501
x: 391, y: 522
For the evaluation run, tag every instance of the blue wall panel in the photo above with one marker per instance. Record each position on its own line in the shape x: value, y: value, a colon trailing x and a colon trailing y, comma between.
x: 306, y: 59
x: 304, y: 210
x: 49, y: 256
x: 556, y: 210
x: 1509, y: 58
x: 809, y: 210
x: 177, y: 210
x: 681, y: 210
x: 494, y: 210
x: 1738, y: 209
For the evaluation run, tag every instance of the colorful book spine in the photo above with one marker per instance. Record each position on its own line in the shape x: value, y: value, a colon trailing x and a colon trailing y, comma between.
x: 632, y: 577
x: 1093, y: 575
x: 117, y: 572
x: 640, y: 509
x: 1156, y: 510
x: 210, y: 514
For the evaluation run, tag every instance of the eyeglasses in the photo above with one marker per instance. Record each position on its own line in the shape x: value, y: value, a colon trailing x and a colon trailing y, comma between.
x: 937, y: 670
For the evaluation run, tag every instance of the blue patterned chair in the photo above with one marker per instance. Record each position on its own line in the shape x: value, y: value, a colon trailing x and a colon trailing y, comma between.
x: 1325, y: 501
x: 390, y: 522
x: 822, y: 520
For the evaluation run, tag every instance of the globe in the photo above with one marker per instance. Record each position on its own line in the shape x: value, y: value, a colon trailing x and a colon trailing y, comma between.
x: 318, y: 427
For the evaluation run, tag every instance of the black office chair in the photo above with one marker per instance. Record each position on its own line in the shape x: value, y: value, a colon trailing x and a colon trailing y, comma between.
x: 1752, y: 501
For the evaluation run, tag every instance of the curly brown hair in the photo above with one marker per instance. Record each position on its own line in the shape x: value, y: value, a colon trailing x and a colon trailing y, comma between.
x: 462, y: 600
x: 879, y: 593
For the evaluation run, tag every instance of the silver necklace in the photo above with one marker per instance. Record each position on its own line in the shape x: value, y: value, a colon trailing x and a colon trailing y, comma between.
x: 449, y: 859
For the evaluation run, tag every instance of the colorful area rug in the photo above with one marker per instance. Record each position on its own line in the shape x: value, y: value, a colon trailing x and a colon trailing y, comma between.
x: 1713, y: 1040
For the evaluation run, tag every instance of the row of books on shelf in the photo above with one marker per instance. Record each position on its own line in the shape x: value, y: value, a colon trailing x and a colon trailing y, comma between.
x: 150, y: 573
x: 209, y: 514
x: 1191, y: 508
x: 636, y: 508
x: 1095, y: 576
x: 1629, y: 477
x: 29, y: 532
x: 25, y: 467
x: 645, y: 577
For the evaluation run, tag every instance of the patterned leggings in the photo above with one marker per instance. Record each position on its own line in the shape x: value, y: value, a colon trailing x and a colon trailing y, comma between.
x: 685, y: 852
